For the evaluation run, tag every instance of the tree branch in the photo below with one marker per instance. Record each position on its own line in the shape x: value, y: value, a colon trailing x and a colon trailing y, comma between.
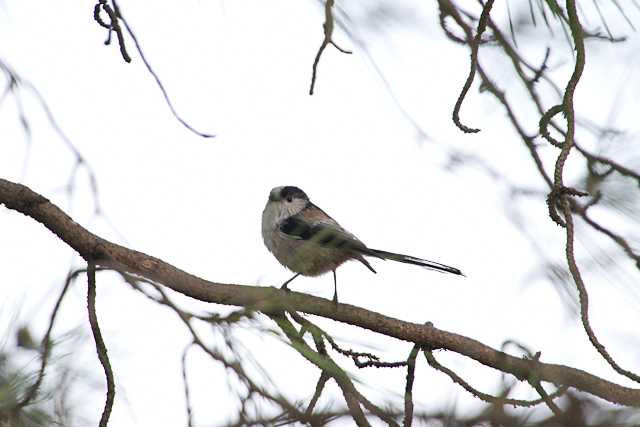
x: 270, y: 300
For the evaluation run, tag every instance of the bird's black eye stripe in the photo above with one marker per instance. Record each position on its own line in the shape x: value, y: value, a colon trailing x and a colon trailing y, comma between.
x: 288, y: 193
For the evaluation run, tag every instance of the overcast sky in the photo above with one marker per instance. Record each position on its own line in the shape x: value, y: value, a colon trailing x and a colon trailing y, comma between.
x: 241, y: 70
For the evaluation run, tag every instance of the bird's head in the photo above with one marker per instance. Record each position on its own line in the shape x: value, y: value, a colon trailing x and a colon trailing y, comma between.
x: 286, y: 201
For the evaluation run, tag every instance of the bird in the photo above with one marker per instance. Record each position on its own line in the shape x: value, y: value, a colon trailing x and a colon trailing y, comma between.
x: 307, y: 241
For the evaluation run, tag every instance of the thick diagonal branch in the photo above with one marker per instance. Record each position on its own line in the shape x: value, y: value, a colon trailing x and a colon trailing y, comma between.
x: 270, y: 300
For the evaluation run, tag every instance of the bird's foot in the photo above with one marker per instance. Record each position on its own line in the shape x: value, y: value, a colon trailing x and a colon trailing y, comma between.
x: 285, y: 288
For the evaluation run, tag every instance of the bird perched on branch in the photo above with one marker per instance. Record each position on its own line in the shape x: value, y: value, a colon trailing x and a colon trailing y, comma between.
x: 309, y: 242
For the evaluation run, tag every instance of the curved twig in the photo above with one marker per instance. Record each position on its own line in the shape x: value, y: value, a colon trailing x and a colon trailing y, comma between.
x: 584, y: 299
x: 115, y: 17
x: 112, y: 25
x: 484, y: 396
x: 544, y: 124
x: 100, y: 347
x: 475, y: 46
x: 559, y: 191
x: 46, y: 343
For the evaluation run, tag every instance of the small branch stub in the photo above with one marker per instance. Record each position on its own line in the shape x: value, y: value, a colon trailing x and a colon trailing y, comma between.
x: 328, y: 33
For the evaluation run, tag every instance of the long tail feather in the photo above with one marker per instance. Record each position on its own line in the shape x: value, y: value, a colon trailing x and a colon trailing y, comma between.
x: 415, y: 261
x: 366, y: 263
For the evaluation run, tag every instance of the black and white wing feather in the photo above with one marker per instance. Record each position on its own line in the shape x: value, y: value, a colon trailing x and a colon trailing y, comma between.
x: 313, y: 225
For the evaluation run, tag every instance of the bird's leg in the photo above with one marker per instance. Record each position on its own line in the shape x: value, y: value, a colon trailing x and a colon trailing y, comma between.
x: 335, y: 288
x: 284, y: 285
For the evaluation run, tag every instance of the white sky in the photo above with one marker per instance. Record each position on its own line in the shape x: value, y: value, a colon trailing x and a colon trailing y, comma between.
x: 241, y: 70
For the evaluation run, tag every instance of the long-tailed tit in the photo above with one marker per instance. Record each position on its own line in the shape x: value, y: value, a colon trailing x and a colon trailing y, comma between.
x: 309, y: 242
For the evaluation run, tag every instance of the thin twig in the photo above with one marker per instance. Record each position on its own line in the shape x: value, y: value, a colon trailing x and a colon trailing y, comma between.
x: 326, y: 364
x: 112, y: 25
x: 232, y: 365
x: 619, y: 240
x: 584, y: 298
x: 46, y: 343
x: 408, y: 390
x: 475, y: 46
x: 484, y: 396
x: 327, y: 40
x: 316, y: 395
x: 185, y: 382
x: 100, y: 347
x: 544, y: 125
x: 537, y: 385
x: 547, y: 400
x: 558, y: 195
x: 559, y: 191
x: 371, y: 360
x: 622, y: 170
x: 151, y: 71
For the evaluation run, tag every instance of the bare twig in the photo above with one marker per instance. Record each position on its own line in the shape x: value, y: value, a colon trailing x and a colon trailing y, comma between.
x: 155, y: 76
x: 370, y: 359
x: 316, y: 395
x: 115, y: 17
x: 484, y: 396
x: 543, y: 67
x: 544, y: 125
x: 558, y: 195
x: 253, y: 387
x: 475, y: 46
x: 619, y: 240
x: 327, y: 40
x: 112, y: 25
x: 100, y: 347
x: 408, y: 390
x: 185, y: 382
x: 324, y: 362
x: 16, y: 82
x: 559, y: 191
x: 448, y: 9
x: 46, y: 342
x: 331, y: 368
x: 584, y: 298
x: 347, y: 25
x: 535, y: 383
x: 622, y: 170
x: 548, y: 400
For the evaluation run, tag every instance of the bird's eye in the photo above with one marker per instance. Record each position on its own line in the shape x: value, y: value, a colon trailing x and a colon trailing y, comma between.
x: 289, y: 199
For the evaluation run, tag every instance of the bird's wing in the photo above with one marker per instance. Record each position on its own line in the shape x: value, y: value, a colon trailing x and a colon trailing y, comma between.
x: 320, y: 230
